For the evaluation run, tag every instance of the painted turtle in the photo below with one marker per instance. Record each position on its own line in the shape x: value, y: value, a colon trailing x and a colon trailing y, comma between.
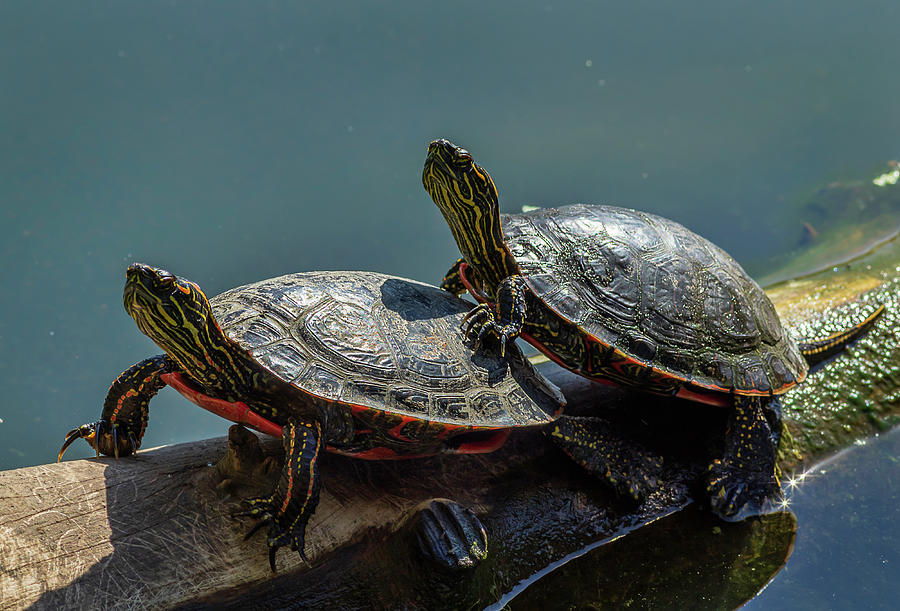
x: 362, y: 364
x: 634, y: 299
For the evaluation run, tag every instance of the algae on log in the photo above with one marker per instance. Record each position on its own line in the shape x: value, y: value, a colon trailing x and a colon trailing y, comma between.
x: 860, y: 391
x: 155, y: 530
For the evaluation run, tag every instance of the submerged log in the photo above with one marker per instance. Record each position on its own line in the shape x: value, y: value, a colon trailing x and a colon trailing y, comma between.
x: 156, y: 530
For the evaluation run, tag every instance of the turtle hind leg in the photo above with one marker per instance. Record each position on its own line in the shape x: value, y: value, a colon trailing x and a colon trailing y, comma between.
x: 449, y: 535
x: 288, y: 509
x: 772, y: 411
x: 817, y: 350
x: 743, y: 481
x: 632, y: 470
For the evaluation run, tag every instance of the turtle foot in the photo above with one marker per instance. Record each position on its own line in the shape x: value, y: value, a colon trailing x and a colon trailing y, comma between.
x: 282, y: 530
x: 450, y: 535
x: 481, y: 321
x: 290, y: 506
x: 638, y: 478
x: 736, y: 494
x: 505, y: 320
x: 108, y: 439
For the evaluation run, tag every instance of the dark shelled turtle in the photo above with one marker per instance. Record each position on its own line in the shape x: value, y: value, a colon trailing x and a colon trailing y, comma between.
x: 634, y: 299
x: 363, y: 364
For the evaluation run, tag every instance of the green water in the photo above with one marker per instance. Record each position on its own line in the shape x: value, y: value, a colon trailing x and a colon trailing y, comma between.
x: 233, y: 141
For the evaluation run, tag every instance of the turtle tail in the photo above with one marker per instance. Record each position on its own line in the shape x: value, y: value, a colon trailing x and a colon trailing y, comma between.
x: 817, y: 350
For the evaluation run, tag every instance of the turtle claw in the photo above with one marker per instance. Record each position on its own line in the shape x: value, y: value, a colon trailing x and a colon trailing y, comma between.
x: 104, y: 437
x: 278, y: 534
x: 133, y: 442
x: 736, y: 494
x: 477, y: 318
x: 85, y: 431
x: 115, y: 437
x: 450, y: 535
x: 481, y: 319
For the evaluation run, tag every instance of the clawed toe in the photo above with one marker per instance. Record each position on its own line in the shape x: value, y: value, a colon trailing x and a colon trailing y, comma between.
x: 478, y: 318
x: 278, y: 533
x: 450, y: 535
x: 736, y: 494
x: 109, y: 439
x: 481, y: 321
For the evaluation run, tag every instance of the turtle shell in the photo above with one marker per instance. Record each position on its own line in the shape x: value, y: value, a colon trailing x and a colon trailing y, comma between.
x: 664, y: 296
x: 382, y: 343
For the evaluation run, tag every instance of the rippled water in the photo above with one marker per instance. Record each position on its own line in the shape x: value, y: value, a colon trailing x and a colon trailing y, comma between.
x: 233, y: 141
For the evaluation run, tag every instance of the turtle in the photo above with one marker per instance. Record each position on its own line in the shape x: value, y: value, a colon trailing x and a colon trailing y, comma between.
x: 633, y: 299
x: 358, y: 363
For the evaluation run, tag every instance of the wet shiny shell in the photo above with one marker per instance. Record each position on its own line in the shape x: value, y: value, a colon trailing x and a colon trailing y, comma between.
x: 383, y: 343
x: 665, y: 296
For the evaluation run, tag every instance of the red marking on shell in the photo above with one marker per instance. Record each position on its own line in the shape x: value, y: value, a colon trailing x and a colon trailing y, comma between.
x: 236, y: 411
x: 485, y: 445
x: 379, y: 453
x: 478, y: 295
x: 396, y: 432
x: 721, y: 399
x: 241, y: 413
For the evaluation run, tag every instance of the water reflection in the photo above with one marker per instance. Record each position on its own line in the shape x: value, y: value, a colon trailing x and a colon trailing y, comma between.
x: 688, y: 560
x: 846, y: 555
x: 691, y: 560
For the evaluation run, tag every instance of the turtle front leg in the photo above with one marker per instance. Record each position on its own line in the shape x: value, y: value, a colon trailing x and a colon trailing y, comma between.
x: 452, y: 282
x: 125, y: 411
x: 505, y: 320
x: 743, y: 480
x: 632, y: 470
x: 288, y: 509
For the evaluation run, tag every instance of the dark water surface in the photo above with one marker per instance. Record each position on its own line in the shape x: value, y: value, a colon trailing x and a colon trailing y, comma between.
x: 846, y: 555
x: 234, y: 141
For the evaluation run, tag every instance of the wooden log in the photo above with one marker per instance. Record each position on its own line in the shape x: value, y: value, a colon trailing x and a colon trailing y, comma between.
x: 156, y: 530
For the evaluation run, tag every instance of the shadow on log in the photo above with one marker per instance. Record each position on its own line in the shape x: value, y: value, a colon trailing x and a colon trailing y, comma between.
x: 156, y: 530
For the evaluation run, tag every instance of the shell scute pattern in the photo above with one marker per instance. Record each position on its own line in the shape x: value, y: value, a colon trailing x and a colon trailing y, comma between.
x: 347, y: 332
x: 669, y: 300
x: 383, y: 343
x: 662, y: 294
x: 410, y: 400
x: 284, y: 359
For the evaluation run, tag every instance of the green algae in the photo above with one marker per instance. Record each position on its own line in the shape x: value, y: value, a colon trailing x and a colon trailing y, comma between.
x: 856, y: 394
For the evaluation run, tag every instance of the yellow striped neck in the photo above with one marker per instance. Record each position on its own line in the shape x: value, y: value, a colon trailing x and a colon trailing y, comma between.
x: 469, y: 203
x: 180, y: 321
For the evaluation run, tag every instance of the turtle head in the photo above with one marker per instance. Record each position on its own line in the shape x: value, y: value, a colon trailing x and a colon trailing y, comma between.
x: 173, y: 312
x: 455, y: 182
x: 467, y: 197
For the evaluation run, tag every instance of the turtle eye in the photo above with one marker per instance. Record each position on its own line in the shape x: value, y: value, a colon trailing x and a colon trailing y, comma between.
x: 463, y: 158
